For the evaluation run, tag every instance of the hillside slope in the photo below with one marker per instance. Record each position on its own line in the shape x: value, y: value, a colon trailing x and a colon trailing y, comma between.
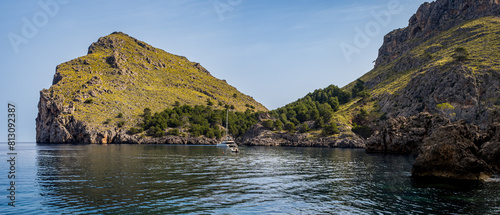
x: 121, y: 76
x: 433, y: 77
x: 435, y: 91
x: 445, y: 61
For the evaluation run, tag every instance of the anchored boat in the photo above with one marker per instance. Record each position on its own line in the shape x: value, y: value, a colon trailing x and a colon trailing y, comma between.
x: 227, y: 142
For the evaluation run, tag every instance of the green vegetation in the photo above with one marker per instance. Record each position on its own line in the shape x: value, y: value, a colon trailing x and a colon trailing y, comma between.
x: 196, y: 120
x: 318, y: 106
x: 362, y: 130
x: 445, y: 106
x: 304, y: 128
x: 358, y: 88
x: 447, y: 109
x: 290, y: 127
x: 330, y: 129
x: 269, y: 124
x: 120, y: 124
x: 309, y: 113
x: 461, y: 54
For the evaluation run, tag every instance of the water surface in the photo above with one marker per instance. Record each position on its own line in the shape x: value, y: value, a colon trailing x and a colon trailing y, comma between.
x: 166, y: 179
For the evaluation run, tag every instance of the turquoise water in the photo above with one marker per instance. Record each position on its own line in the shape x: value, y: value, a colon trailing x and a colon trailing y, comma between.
x: 165, y: 179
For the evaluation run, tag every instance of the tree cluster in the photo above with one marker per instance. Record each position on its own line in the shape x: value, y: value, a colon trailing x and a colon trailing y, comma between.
x: 461, y: 54
x: 318, y: 106
x: 198, y: 120
x: 359, y: 124
x: 359, y: 90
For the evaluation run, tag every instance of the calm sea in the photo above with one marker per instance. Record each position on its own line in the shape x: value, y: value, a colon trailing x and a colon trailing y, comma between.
x: 166, y: 179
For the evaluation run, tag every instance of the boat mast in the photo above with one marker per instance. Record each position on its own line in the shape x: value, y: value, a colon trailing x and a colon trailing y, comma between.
x: 227, y: 116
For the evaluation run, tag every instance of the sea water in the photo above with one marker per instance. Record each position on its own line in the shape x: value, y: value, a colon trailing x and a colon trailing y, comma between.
x: 177, y: 179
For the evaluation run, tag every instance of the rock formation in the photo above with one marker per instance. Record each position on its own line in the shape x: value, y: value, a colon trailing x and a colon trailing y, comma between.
x: 490, y: 150
x: 404, y: 135
x: 451, y: 152
x: 471, y: 96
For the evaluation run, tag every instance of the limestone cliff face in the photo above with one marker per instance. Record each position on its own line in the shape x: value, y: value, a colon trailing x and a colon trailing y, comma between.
x: 430, y: 20
x: 56, y: 124
x: 473, y: 96
x: 98, y: 97
x: 417, y: 69
x: 404, y: 135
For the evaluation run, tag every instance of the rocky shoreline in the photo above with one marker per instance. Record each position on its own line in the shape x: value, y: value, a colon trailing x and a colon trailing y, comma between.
x: 445, y: 149
x: 259, y: 136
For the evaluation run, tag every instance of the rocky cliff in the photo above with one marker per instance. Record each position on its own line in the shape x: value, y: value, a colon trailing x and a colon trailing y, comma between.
x: 419, y: 67
x: 446, y: 62
x: 456, y: 150
x: 436, y: 84
x: 452, y: 151
x: 98, y: 97
x: 404, y: 135
x: 430, y: 20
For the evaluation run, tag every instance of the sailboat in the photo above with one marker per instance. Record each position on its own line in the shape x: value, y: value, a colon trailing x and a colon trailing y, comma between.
x: 226, y: 142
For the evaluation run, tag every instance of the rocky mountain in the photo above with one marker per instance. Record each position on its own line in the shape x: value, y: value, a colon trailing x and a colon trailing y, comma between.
x: 436, y: 86
x: 455, y: 73
x: 96, y: 98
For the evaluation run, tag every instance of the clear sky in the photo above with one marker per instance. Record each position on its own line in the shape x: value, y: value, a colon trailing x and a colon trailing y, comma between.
x: 275, y: 51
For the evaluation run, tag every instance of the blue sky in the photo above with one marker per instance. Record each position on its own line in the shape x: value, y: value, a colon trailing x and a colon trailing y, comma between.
x: 275, y: 51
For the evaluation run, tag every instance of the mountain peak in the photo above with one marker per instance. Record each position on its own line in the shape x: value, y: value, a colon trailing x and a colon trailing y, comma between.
x: 116, y: 41
x: 430, y: 20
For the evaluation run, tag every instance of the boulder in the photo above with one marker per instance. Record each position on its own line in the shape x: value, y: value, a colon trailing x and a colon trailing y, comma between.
x: 450, y: 152
x: 490, y: 151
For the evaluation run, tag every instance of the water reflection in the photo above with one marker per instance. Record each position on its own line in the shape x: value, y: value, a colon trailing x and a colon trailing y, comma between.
x: 207, y: 179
